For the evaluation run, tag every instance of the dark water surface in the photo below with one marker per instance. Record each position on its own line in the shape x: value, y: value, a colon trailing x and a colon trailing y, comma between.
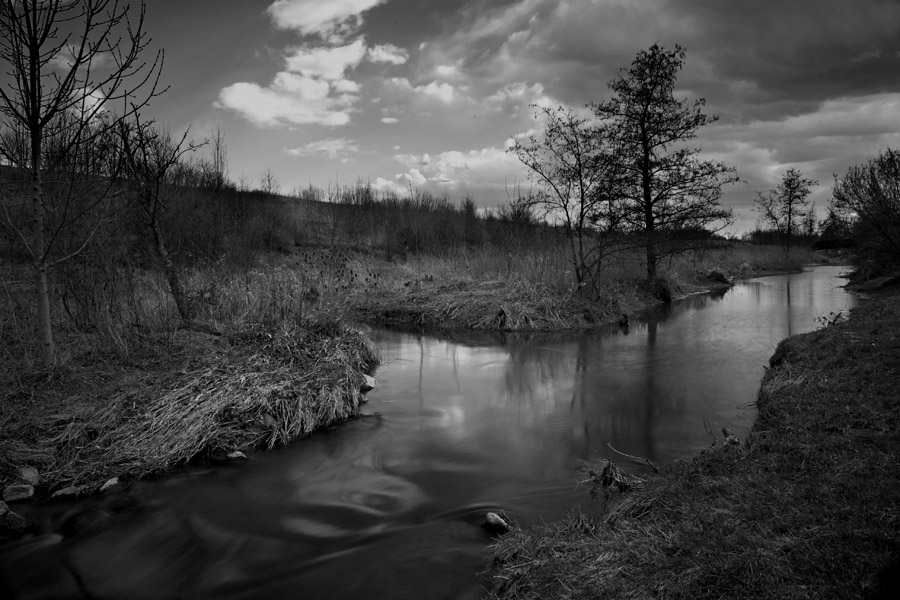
x: 389, y: 505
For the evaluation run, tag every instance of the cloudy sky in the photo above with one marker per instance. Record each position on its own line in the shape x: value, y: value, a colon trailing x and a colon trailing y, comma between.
x: 429, y: 93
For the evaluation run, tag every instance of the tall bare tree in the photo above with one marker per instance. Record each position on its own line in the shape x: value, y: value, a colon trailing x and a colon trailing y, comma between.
x: 672, y: 195
x: 786, y: 206
x: 69, y: 62
x: 578, y: 182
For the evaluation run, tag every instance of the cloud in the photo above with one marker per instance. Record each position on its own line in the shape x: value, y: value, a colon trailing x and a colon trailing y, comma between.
x: 390, y: 186
x: 313, y: 89
x: 290, y: 99
x: 390, y: 120
x: 330, y: 19
x: 388, y: 53
x: 520, y: 94
x: 487, y: 167
x: 813, y: 50
x: 447, y: 71
x: 330, y: 147
x: 326, y: 62
x: 441, y: 91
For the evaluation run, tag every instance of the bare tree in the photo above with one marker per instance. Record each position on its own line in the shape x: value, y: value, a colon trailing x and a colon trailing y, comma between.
x: 69, y: 62
x: 578, y: 182
x: 868, y: 196
x: 671, y: 195
x: 785, y: 207
x: 151, y: 160
x: 268, y: 183
x: 219, y: 160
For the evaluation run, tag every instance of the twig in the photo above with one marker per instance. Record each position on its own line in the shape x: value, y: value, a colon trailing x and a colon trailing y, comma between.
x: 646, y: 460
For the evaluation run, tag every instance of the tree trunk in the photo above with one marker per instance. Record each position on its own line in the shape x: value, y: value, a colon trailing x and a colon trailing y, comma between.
x: 647, y: 192
x: 39, y: 258
x: 181, y: 303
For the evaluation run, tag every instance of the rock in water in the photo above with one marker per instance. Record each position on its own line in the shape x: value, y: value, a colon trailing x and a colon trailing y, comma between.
x: 110, y: 483
x: 14, y: 525
x: 237, y: 455
x: 367, y: 384
x: 66, y: 492
x: 18, y: 492
x: 495, y: 524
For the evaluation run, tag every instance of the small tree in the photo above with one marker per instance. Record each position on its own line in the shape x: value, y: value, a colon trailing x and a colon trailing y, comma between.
x: 671, y: 195
x: 268, y: 183
x: 578, y: 183
x: 785, y: 207
x: 68, y: 62
x: 809, y: 221
x: 151, y: 160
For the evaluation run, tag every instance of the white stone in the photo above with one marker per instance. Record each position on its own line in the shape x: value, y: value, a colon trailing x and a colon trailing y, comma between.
x: 237, y: 454
x: 29, y: 475
x: 110, y: 483
x: 18, y: 492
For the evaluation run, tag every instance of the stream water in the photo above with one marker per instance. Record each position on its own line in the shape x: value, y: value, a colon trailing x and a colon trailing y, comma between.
x: 389, y: 505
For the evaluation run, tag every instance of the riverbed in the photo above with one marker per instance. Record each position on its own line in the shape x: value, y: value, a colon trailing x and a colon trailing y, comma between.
x: 389, y: 505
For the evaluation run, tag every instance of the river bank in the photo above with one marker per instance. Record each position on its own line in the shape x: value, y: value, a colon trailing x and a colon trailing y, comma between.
x: 805, y: 507
x: 193, y: 395
x: 182, y: 394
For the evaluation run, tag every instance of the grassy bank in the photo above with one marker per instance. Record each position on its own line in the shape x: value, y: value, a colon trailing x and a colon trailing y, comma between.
x: 490, y: 289
x: 806, y: 507
x: 136, y: 393
x: 193, y: 395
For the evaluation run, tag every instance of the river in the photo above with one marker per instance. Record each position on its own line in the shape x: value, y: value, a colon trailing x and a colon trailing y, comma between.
x: 389, y: 505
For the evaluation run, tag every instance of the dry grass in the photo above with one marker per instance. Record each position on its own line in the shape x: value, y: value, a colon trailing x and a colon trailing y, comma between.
x: 489, y: 289
x: 192, y: 396
x: 806, y: 508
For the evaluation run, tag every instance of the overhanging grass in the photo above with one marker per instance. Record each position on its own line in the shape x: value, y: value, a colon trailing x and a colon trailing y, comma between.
x: 807, y: 508
x: 196, y: 396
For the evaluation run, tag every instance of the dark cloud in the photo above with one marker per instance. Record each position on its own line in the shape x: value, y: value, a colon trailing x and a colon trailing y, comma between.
x: 774, y: 59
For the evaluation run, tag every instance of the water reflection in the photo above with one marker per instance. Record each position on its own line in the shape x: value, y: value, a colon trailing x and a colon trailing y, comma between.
x: 389, y: 505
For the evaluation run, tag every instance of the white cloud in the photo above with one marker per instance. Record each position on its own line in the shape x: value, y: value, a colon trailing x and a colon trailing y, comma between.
x: 415, y: 177
x: 389, y: 120
x: 454, y: 169
x: 331, y: 147
x: 390, y: 186
x: 333, y: 19
x: 521, y: 92
x: 446, y: 71
x: 388, y: 53
x: 344, y: 86
x: 327, y: 63
x: 313, y: 89
x: 441, y: 91
x: 289, y: 99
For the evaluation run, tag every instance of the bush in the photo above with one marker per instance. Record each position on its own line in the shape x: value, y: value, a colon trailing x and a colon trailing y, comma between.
x: 870, y: 195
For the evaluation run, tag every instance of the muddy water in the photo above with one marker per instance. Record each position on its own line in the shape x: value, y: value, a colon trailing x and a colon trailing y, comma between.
x: 389, y: 505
